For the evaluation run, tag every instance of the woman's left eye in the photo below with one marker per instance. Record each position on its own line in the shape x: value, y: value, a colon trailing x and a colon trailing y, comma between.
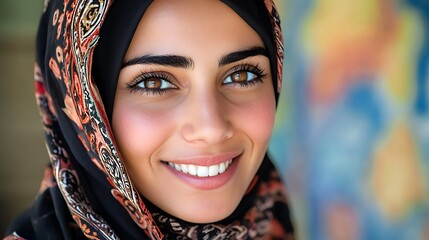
x: 244, y: 77
x: 240, y: 77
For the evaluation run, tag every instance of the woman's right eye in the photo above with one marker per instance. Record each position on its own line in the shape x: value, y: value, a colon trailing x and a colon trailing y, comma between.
x: 155, y: 84
x: 152, y: 85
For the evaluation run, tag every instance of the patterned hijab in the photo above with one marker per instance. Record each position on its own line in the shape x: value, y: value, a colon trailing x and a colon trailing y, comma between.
x: 86, y: 191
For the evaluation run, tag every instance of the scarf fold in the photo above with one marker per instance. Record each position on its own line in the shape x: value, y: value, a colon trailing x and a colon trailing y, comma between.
x: 86, y: 192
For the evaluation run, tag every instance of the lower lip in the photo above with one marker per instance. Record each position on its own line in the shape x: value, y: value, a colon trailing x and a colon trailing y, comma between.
x: 207, y: 183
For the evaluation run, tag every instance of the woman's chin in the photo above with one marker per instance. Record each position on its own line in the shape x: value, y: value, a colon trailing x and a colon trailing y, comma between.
x: 202, y: 212
x: 204, y: 216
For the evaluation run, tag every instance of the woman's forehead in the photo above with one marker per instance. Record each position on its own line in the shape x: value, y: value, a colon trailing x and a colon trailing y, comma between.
x: 188, y: 27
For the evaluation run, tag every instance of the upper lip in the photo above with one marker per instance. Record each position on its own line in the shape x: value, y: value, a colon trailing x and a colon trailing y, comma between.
x: 208, y: 160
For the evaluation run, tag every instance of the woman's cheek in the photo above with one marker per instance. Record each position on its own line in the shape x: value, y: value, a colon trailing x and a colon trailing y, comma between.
x: 256, y: 119
x: 139, y: 133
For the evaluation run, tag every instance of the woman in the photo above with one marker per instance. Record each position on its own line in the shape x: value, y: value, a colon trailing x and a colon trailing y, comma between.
x: 157, y: 118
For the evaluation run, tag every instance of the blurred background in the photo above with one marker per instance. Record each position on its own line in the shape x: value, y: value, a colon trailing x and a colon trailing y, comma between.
x: 352, y: 136
x: 352, y: 132
x: 22, y: 150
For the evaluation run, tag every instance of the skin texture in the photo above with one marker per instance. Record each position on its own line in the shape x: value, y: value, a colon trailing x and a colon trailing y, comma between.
x: 200, y: 115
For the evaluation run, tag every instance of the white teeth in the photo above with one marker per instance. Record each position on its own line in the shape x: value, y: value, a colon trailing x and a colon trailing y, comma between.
x: 177, y: 167
x: 222, y: 168
x: 184, y: 168
x: 213, y: 170
x: 201, y: 171
x: 192, y: 169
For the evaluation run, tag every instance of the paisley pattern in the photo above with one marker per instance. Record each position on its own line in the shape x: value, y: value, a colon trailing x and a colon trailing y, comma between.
x: 278, y: 38
x: 81, y: 21
x: 66, y: 177
x: 87, y: 101
x: 68, y: 99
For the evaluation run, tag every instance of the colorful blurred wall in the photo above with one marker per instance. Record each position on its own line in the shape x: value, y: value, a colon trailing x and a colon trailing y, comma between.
x: 352, y: 133
x: 352, y: 136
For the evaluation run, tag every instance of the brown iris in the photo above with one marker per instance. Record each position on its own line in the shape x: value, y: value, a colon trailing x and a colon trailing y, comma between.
x: 240, y: 76
x: 153, y: 83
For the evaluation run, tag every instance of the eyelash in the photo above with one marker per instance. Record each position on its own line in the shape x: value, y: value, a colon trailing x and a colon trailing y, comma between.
x: 253, y: 69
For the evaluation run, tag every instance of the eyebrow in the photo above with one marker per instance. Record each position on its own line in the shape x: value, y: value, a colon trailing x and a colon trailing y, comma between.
x: 186, y: 62
x: 242, y: 54
x: 164, y: 60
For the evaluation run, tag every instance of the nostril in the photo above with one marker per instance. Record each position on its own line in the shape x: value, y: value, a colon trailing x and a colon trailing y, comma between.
x: 205, y: 118
x: 206, y: 132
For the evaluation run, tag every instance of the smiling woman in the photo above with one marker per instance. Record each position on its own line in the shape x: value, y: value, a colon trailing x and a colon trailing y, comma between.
x: 197, y: 107
x: 158, y: 117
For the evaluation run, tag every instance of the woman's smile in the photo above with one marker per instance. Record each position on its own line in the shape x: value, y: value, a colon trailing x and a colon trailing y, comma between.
x: 203, y: 166
x: 200, y: 170
x: 205, y: 173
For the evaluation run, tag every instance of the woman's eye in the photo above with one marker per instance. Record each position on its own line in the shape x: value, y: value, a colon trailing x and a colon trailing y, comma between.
x: 243, y: 78
x: 151, y: 84
x: 155, y: 84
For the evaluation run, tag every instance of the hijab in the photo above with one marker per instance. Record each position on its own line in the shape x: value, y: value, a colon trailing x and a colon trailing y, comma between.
x: 86, y: 191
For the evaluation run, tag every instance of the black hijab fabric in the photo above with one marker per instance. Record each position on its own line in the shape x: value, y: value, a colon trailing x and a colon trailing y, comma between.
x: 86, y: 191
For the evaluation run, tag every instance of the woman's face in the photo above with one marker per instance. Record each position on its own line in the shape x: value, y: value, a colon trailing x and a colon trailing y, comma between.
x: 194, y: 108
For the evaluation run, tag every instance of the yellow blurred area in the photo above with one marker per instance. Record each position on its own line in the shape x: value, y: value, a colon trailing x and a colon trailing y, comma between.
x: 396, y: 178
x: 347, y: 39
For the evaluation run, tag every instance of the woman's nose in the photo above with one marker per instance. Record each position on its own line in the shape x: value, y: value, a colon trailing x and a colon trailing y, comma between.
x: 206, y: 119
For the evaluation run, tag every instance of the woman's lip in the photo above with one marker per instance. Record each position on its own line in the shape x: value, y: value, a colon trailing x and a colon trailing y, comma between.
x: 207, y: 183
x: 205, y: 160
